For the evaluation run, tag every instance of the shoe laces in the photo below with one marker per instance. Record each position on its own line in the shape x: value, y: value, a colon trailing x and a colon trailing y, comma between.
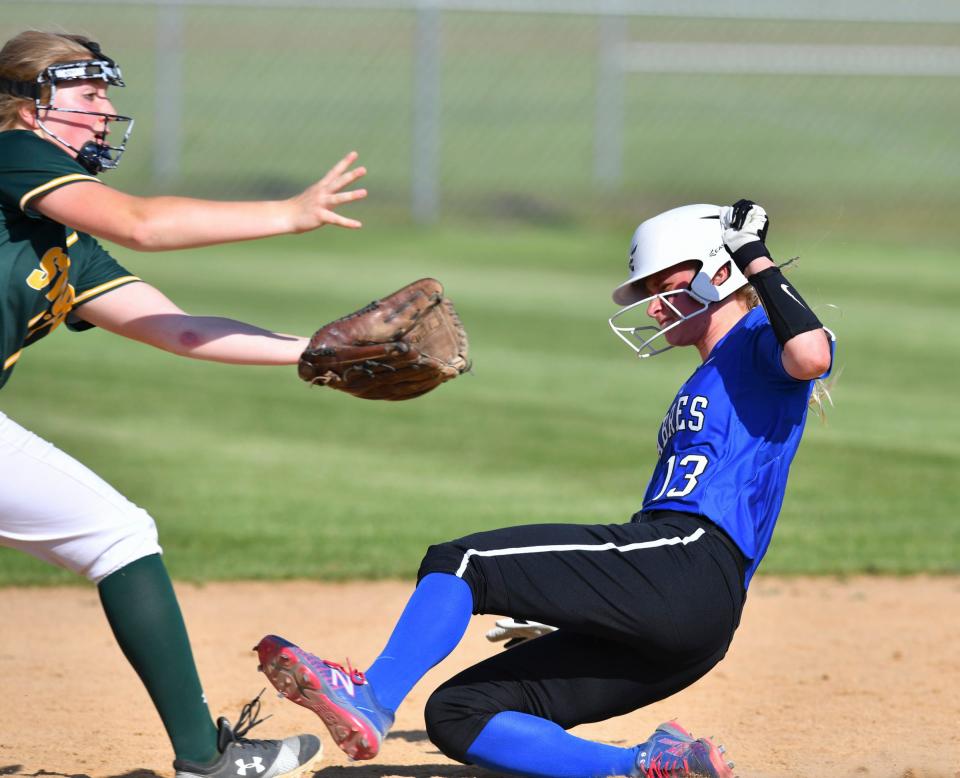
x: 666, y: 766
x: 355, y: 675
x: 672, y: 758
x: 247, y: 720
x: 675, y: 760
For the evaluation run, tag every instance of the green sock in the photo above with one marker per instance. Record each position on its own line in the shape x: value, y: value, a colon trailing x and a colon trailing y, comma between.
x: 145, y: 617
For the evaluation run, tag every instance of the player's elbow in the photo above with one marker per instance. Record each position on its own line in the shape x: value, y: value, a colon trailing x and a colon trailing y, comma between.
x: 808, y: 359
x: 810, y: 370
x: 143, y: 235
x: 822, y: 364
x: 134, y: 225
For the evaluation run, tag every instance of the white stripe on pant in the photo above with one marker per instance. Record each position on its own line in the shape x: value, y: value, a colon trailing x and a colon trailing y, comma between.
x: 659, y: 543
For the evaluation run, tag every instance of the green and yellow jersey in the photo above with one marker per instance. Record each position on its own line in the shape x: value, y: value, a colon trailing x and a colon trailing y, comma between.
x: 46, y: 269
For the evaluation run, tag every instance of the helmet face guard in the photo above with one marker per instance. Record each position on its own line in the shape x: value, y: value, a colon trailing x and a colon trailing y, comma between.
x: 640, y: 337
x: 691, y: 233
x: 95, y: 155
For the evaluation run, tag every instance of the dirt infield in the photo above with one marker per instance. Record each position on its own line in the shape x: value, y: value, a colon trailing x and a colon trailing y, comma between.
x: 825, y: 678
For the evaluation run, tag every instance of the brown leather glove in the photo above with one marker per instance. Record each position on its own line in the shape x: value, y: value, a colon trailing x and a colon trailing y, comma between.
x: 395, y: 348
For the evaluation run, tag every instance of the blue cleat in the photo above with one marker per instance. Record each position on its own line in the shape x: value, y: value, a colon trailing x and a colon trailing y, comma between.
x: 340, y: 696
x: 672, y: 751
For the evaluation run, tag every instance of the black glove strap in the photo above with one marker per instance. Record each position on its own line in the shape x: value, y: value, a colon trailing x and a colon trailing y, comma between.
x: 787, y: 311
x: 751, y: 251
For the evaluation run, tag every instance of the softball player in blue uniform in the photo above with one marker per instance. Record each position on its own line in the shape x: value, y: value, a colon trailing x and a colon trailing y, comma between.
x: 55, y: 117
x: 643, y: 609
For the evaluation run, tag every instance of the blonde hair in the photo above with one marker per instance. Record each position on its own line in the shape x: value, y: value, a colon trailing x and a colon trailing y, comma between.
x: 748, y: 296
x: 26, y: 56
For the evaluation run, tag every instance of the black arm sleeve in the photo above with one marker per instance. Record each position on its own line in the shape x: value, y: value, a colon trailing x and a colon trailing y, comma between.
x: 787, y: 311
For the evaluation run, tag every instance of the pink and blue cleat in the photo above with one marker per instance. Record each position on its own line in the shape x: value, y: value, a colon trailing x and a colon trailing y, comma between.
x: 672, y: 751
x: 340, y: 696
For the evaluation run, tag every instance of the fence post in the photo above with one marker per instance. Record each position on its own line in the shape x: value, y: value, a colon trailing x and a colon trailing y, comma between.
x: 609, y: 119
x: 425, y: 176
x: 168, y: 127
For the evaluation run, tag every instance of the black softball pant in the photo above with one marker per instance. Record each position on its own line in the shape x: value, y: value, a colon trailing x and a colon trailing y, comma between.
x: 643, y: 609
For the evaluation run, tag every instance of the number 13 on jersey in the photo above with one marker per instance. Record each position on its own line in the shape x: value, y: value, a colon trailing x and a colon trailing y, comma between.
x: 691, y: 468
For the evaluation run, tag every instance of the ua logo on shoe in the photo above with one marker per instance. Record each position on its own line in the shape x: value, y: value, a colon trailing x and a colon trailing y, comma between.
x: 256, y: 764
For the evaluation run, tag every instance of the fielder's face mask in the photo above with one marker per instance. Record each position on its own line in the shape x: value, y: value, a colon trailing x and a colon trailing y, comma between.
x: 688, y: 233
x: 97, y: 154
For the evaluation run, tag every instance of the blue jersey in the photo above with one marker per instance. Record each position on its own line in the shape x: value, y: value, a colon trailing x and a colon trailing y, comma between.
x: 729, y: 437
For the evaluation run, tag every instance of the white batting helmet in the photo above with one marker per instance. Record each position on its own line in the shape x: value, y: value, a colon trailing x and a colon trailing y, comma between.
x: 684, y: 234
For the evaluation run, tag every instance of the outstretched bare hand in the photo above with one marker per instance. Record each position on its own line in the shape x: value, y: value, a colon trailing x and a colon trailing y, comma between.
x: 314, y: 207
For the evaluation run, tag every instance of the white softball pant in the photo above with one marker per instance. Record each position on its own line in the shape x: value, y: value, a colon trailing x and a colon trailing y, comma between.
x: 58, y: 510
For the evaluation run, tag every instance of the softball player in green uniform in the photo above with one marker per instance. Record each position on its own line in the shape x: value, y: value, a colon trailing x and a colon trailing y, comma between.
x: 55, y: 118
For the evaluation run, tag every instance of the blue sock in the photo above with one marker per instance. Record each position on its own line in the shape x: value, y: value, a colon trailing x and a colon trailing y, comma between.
x: 521, y: 744
x: 431, y: 625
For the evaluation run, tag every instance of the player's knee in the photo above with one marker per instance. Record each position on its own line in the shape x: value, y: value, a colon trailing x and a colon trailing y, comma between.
x: 454, y: 716
x: 448, y: 558
x: 117, y: 545
x: 442, y: 558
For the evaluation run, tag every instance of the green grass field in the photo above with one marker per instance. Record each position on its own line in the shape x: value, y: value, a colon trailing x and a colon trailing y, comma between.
x: 251, y: 474
x: 271, y: 96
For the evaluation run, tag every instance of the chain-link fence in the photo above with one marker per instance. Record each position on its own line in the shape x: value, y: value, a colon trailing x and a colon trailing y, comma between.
x: 554, y: 112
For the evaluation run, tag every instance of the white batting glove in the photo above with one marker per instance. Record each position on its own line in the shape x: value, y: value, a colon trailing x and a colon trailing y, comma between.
x: 516, y: 631
x: 745, y: 226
